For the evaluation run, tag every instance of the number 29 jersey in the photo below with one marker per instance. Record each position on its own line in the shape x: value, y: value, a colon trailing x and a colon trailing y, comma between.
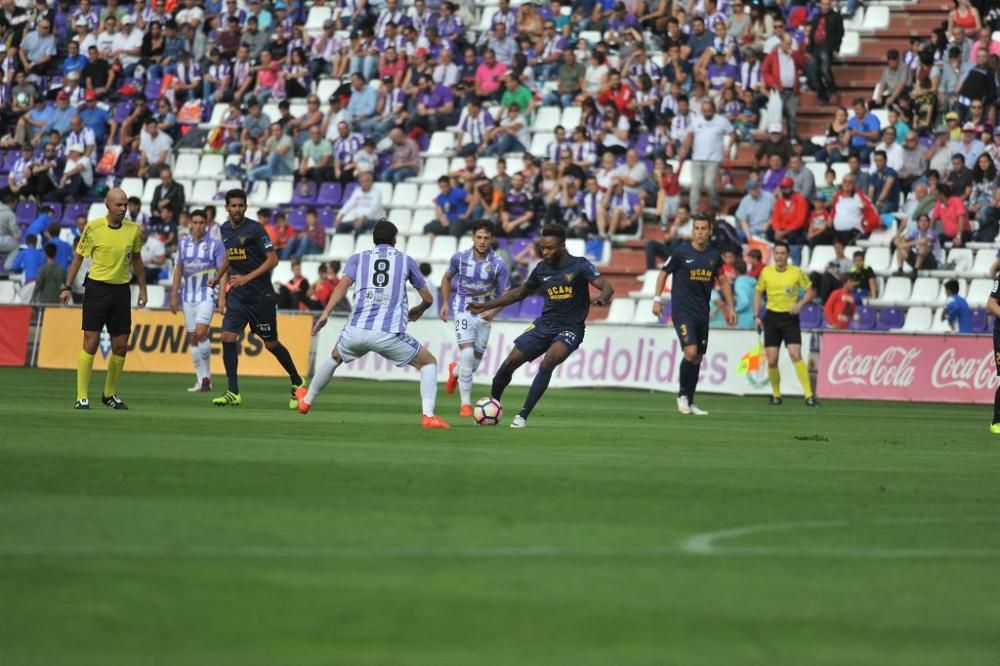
x: 380, y: 276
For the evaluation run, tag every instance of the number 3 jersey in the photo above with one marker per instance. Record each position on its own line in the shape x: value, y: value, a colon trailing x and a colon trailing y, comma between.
x: 380, y: 276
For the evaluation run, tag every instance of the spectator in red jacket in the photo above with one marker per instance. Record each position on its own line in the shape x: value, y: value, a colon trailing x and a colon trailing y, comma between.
x: 951, y: 217
x: 840, y: 304
x: 619, y: 94
x: 780, y: 72
x: 791, y: 213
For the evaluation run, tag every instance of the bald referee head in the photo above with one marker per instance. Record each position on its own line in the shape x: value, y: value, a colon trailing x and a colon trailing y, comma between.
x: 114, y: 246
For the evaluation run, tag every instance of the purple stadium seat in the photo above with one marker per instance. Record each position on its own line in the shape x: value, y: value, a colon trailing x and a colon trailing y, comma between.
x: 57, y: 210
x: 517, y: 246
x: 865, y: 320
x: 329, y: 195
x: 296, y: 218
x: 531, y: 307
x: 326, y: 216
x: 890, y: 318
x: 347, y: 192
x: 811, y: 316
x: 9, y: 160
x: 980, y: 321
x: 305, y: 194
x: 123, y: 110
x: 152, y: 89
x: 510, y: 312
x: 71, y: 212
x: 25, y: 212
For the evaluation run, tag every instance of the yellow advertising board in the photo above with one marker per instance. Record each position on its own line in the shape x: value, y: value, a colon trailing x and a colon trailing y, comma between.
x: 158, y: 343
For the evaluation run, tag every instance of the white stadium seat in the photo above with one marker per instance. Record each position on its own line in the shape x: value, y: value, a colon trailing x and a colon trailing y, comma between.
x: 280, y: 192
x: 926, y: 291
x: 896, y: 292
x: 212, y: 167
x: 421, y: 218
x: 648, y: 280
x: 546, y: 119
x: 979, y: 292
x: 97, y: 210
x: 363, y: 243
x: 876, y: 18
x: 404, y: 195
x: 419, y: 248
x: 340, y: 247
x: 326, y: 87
x: 644, y: 313
x: 258, y: 196
x: 488, y: 165
x: 443, y: 249
x: 879, y: 259
x: 918, y: 320
x: 622, y: 311
x: 317, y: 16
x: 186, y: 166
x: 147, y: 192
x: 282, y: 273
x: 401, y: 217
x: 571, y: 117
x: 850, y: 45
x: 540, y: 142
x: 981, y: 265
x: 203, y: 193
x: 132, y: 186
x: 434, y: 168
x: 938, y: 323
x: 8, y: 292
x: 426, y: 196
x: 820, y: 257
x: 385, y: 189
x: 442, y: 144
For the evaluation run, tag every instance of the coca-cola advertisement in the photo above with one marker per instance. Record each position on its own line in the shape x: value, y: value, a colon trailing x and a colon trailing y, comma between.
x: 918, y: 368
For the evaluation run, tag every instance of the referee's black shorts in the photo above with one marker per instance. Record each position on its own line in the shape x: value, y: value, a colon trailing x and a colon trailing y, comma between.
x: 106, y: 304
x: 781, y: 327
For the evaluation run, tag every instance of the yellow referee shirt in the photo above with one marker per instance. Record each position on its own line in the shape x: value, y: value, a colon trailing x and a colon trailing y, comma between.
x: 110, y: 250
x: 782, y: 287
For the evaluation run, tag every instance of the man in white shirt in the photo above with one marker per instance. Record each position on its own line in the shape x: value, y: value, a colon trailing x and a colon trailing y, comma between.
x: 680, y: 125
x: 154, y: 149
x: 362, y: 209
x: 893, y: 151
x: 705, y: 144
x: 127, y: 45
x: 81, y: 135
x: 77, y: 178
x: 106, y: 38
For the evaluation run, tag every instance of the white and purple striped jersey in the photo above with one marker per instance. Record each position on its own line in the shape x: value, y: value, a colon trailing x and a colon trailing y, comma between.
x: 380, y: 276
x: 476, y: 281
x: 198, y: 261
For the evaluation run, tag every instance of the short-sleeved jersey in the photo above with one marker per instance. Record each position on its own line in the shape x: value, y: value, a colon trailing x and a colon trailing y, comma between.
x: 694, y: 274
x: 782, y: 287
x: 476, y: 280
x: 380, y: 276
x: 995, y: 295
x: 247, y: 247
x: 110, y: 249
x: 198, y: 261
x: 566, y: 289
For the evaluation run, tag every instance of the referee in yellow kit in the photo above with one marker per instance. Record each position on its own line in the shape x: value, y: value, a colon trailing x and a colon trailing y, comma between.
x: 113, y: 245
x: 782, y: 283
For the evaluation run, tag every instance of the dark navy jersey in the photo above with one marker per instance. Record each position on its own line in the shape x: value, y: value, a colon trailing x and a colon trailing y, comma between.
x: 247, y: 247
x: 995, y: 295
x: 694, y: 275
x: 566, y: 289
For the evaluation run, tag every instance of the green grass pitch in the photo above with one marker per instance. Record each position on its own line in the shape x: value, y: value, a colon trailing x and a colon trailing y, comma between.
x: 612, y: 531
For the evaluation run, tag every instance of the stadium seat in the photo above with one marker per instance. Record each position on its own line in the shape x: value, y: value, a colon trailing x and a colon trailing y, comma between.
x: 961, y: 257
x: 531, y: 307
x: 97, y: 210
x: 203, y: 193
x: 465, y: 243
x: 896, y: 292
x: 404, y: 195
x: 421, y: 218
x: 850, y: 45
x: 576, y: 246
x: 882, y: 237
x: 546, y: 119
x: 821, y: 255
x: 132, y: 186
x: 856, y: 22
x: 147, y: 192
x: 442, y: 144
x: 282, y: 272
x: 326, y: 87
x: 622, y: 311
x: 592, y: 37
x: 316, y: 17
x: 879, y: 259
x: 402, y: 218
x: 486, y: 20
x: 882, y: 115
x: 684, y: 177
x: 8, y: 292
x: 864, y: 319
x: 186, y: 166
x: 571, y: 117
x: 211, y: 167
x: 938, y: 323
x: 980, y: 321
x: 876, y: 18
x: 918, y: 320
x: 434, y: 168
x: 889, y: 319
x: 925, y: 292
x: 156, y: 295
x: 979, y: 292
x: 329, y: 194
x: 304, y: 193
x: 218, y: 113
x: 425, y: 198
x: 443, y: 249
x: 340, y: 247
x: 648, y: 280
x: 540, y: 142
x: 259, y: 194
x: 385, y: 190
x: 811, y: 316
x: 437, y: 272
x: 488, y: 165
x: 419, y: 248
x: 364, y: 242
x: 980, y: 265
x: 280, y: 192
x: 818, y: 170
x: 644, y: 313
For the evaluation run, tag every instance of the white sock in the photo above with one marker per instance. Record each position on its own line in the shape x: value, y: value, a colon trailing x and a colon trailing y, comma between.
x: 205, y: 348
x: 321, y: 377
x: 196, y: 357
x: 467, y: 363
x: 428, y: 388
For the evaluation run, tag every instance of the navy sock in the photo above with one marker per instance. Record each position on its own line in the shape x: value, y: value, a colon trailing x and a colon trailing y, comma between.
x: 231, y: 359
x: 683, y: 378
x: 691, y: 383
x: 538, y: 386
x: 285, y: 359
x: 500, y: 381
x: 996, y: 406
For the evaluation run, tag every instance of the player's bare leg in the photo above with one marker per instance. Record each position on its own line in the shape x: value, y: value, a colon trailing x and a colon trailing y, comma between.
x: 557, y: 353
x: 426, y: 364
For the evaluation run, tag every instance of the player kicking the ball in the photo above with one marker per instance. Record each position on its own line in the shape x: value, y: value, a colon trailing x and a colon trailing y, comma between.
x: 198, y: 258
x: 564, y: 281
x: 481, y: 275
x: 378, y: 321
x: 695, y: 267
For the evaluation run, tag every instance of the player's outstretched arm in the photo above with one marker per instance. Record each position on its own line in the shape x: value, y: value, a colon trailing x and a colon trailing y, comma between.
x: 512, y: 296
x: 607, y: 292
x: 417, y: 311
x: 336, y: 297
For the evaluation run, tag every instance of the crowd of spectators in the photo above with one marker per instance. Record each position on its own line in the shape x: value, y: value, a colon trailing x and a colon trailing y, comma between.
x: 96, y: 91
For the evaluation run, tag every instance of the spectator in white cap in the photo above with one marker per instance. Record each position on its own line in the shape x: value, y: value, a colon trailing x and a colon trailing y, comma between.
x: 969, y: 147
x: 77, y: 178
x: 84, y: 35
x: 127, y: 45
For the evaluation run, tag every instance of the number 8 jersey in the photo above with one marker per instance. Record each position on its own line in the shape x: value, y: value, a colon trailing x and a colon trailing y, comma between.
x: 380, y: 276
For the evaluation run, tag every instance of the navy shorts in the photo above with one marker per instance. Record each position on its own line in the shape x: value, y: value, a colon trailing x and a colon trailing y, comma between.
x: 261, y: 316
x: 692, y: 332
x: 537, y: 339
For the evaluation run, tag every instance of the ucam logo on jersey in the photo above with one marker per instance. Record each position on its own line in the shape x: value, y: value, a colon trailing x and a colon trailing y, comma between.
x: 643, y: 357
x: 921, y: 368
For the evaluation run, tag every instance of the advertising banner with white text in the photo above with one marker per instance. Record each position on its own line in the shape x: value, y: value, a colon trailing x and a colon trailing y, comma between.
x: 638, y: 357
x: 919, y: 368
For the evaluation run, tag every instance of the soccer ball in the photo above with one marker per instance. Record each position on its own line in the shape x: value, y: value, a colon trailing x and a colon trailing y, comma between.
x: 487, y: 412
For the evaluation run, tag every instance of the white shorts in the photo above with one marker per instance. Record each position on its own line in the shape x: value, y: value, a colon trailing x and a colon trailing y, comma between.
x: 354, y: 343
x: 472, y: 329
x: 198, y: 313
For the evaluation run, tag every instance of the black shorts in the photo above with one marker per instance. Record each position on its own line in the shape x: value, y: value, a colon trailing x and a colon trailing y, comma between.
x: 930, y: 261
x: 781, y: 327
x: 537, y: 339
x: 261, y: 316
x: 109, y: 305
x: 692, y: 332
